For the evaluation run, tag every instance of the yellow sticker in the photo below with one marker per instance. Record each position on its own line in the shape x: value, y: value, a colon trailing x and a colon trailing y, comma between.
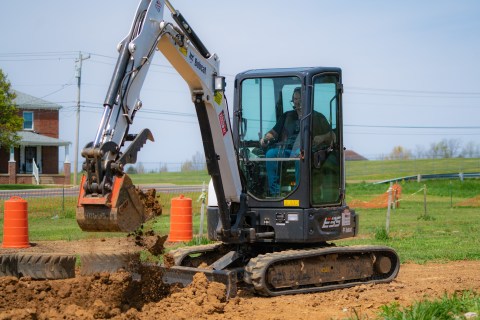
x: 291, y: 203
x: 218, y: 97
x: 183, y: 50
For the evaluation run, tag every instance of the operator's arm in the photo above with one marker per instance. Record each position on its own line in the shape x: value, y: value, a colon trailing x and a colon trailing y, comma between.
x: 273, y: 134
x: 322, y: 131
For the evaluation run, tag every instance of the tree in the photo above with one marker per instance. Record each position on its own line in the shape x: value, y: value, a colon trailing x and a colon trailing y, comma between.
x: 140, y: 168
x: 454, y: 146
x: 131, y: 170
x: 438, y: 150
x: 163, y: 167
x: 420, y: 152
x: 197, y: 163
x: 471, y: 150
x: 10, y: 121
x: 400, y: 153
x: 444, y: 149
x: 198, y: 160
x: 187, y: 166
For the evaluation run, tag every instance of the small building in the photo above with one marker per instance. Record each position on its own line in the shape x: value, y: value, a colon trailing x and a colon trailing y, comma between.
x: 351, y: 155
x: 36, y: 160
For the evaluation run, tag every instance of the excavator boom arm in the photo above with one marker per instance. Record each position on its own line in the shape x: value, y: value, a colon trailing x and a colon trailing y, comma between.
x: 200, y: 70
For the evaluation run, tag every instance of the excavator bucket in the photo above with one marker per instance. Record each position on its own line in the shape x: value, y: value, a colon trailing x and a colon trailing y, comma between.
x: 119, y: 211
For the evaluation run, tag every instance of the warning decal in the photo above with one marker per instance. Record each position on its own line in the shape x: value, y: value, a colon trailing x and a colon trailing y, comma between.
x: 223, y: 122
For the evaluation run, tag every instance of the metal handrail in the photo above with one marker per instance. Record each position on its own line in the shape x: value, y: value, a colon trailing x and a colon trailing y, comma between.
x: 35, y: 172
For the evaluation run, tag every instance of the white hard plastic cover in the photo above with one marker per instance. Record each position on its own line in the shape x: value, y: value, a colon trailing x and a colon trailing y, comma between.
x: 211, y: 196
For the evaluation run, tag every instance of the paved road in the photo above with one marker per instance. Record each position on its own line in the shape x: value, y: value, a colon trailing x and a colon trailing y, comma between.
x: 73, y: 191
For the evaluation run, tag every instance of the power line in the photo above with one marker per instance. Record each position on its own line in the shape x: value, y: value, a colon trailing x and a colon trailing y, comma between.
x: 415, y: 91
x: 139, y: 116
x: 40, y: 53
x: 408, y: 105
x: 411, y: 127
x: 410, y: 134
x: 63, y: 87
x: 35, y: 59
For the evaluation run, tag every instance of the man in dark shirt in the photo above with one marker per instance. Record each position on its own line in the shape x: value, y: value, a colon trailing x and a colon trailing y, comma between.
x: 284, y: 137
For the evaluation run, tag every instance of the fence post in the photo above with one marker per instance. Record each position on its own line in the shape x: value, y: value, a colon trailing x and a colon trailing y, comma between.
x: 387, y: 224
x: 451, y: 195
x: 425, y: 199
x: 63, y: 200
x: 202, y: 209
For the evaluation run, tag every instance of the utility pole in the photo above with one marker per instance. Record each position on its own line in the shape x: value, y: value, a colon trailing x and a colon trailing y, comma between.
x: 78, y: 75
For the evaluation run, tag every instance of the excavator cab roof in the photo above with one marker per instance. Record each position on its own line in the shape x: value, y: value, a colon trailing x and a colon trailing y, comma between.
x: 287, y: 71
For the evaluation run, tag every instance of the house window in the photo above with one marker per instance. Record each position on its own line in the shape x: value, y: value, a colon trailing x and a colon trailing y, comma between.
x: 27, y: 120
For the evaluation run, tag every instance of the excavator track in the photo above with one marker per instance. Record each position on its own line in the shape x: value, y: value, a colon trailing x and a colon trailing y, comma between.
x: 321, y: 269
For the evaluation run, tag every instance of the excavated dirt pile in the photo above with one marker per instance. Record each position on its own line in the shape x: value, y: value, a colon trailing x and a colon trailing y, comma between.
x: 121, y: 296
x: 105, y: 296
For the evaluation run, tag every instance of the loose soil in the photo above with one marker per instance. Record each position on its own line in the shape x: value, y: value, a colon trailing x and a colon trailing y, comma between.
x: 123, y: 296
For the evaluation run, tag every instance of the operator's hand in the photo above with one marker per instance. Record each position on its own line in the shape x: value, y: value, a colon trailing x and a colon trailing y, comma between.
x: 318, y: 140
x: 265, y: 141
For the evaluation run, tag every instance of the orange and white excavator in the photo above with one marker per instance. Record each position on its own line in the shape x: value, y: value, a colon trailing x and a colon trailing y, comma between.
x: 277, y: 195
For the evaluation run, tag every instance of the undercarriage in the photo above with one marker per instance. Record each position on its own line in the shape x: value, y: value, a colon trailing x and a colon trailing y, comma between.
x: 273, y: 271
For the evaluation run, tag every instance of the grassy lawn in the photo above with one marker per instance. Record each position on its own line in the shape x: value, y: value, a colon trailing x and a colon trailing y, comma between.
x: 50, y: 219
x: 178, y: 178
x: 356, y: 171
x: 447, y: 307
x: 378, y: 170
x: 20, y: 186
x: 446, y: 233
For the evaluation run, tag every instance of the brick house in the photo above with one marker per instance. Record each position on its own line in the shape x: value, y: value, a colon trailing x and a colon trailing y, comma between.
x: 38, y: 153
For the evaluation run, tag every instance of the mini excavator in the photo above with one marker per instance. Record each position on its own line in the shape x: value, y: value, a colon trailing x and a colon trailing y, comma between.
x: 275, y: 203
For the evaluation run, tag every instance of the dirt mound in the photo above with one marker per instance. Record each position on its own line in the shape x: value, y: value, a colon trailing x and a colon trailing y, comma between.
x: 199, y: 300
x: 105, y: 296
x: 143, y: 296
x: 118, y: 296
x: 100, y: 296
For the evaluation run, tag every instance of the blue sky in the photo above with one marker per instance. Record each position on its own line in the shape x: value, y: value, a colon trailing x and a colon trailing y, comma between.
x: 411, y: 69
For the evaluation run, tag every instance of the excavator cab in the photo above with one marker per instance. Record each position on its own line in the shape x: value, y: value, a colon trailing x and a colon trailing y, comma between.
x: 303, y: 162
x: 295, y: 181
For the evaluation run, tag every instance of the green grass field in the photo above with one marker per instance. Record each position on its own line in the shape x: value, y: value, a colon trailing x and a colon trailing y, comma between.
x: 445, y: 232
x: 378, y: 170
x: 448, y: 307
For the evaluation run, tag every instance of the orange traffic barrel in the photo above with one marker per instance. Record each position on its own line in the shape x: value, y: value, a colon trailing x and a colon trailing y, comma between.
x: 15, y: 223
x: 181, y: 219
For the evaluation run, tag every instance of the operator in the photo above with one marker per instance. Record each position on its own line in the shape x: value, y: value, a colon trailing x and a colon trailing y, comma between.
x: 282, y: 139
